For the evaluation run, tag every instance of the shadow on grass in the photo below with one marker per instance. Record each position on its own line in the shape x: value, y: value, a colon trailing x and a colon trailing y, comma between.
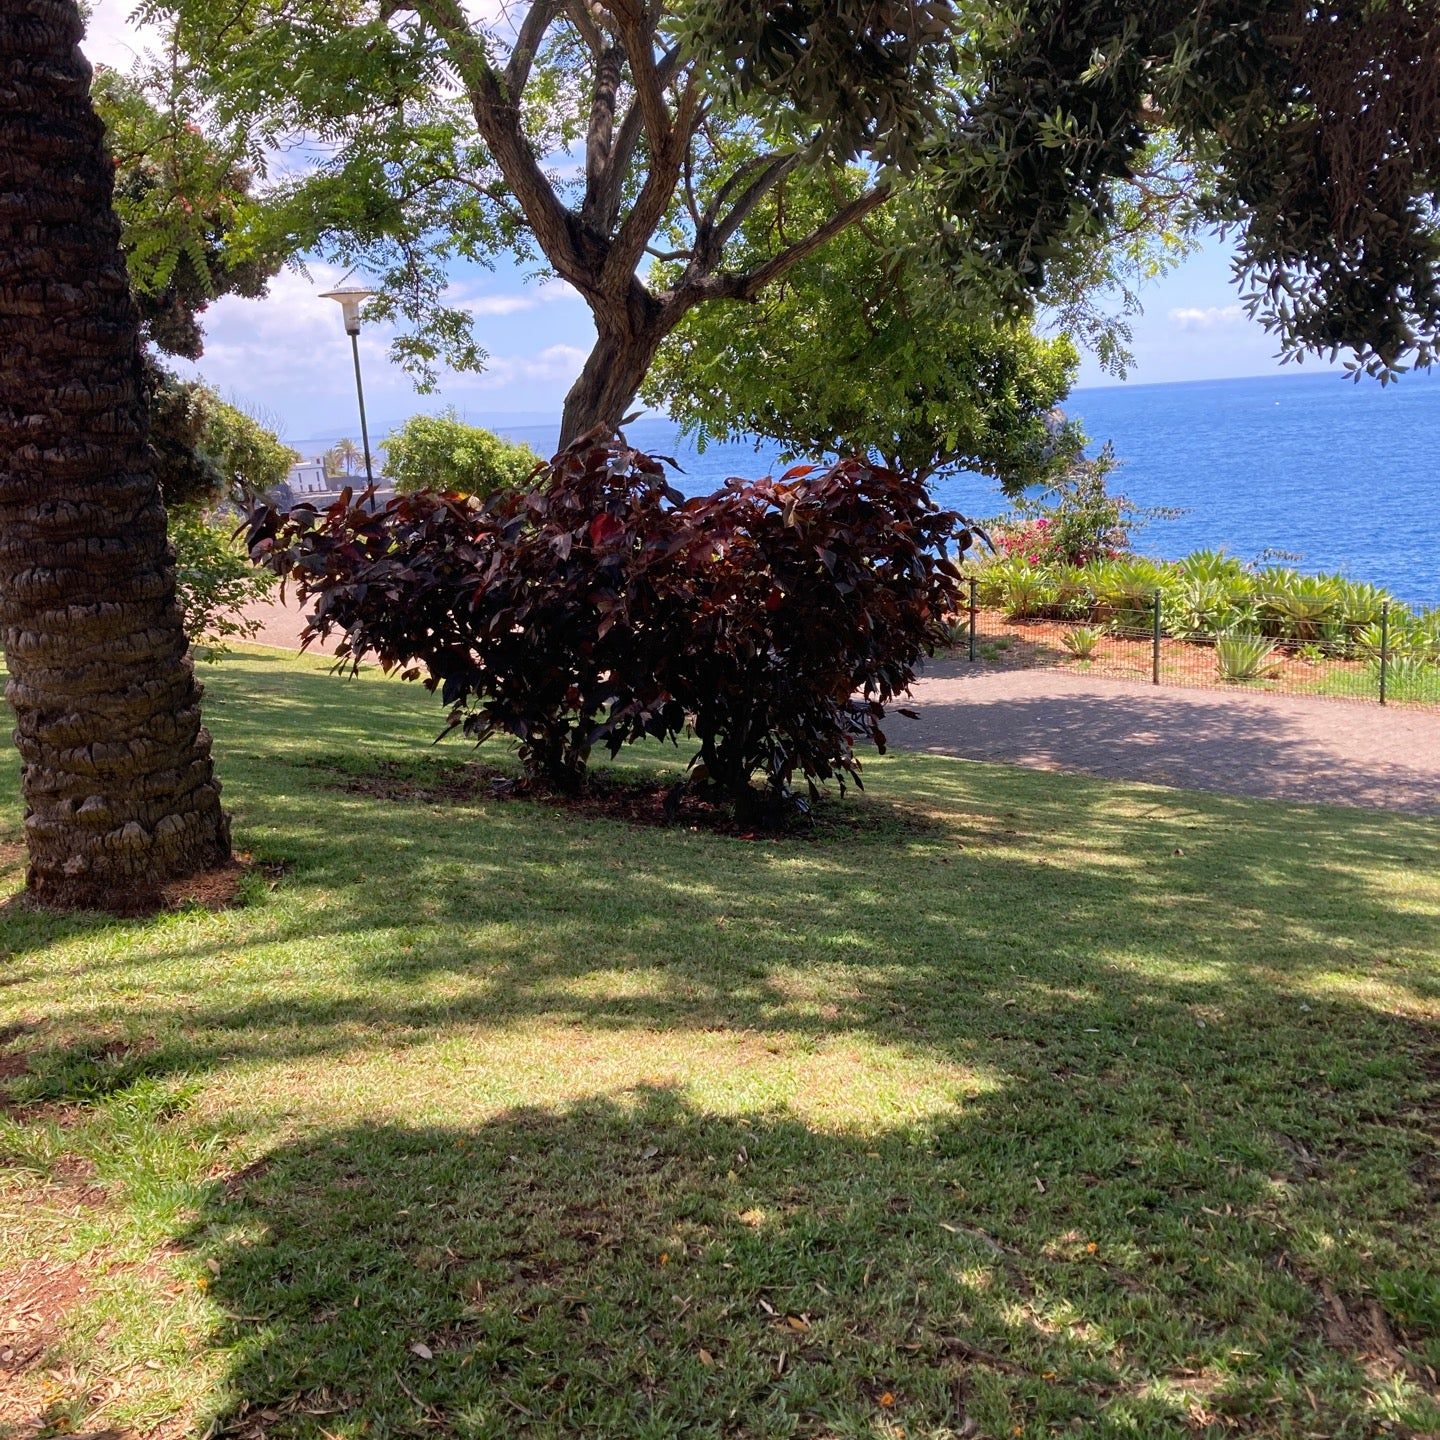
x: 636, y: 1267
x: 1166, y: 1026
x: 1027, y: 914
x: 1014, y: 905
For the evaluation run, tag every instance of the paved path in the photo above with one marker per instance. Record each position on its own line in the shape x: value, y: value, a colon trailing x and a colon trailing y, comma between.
x: 1281, y: 747
x: 280, y: 625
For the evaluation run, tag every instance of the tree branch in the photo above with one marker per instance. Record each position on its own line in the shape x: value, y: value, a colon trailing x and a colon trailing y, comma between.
x: 583, y: 14
x: 601, y: 207
x: 497, y: 116
x: 540, y: 17
x: 748, y: 286
x: 778, y: 167
x: 600, y: 136
x: 663, y: 175
x: 637, y: 33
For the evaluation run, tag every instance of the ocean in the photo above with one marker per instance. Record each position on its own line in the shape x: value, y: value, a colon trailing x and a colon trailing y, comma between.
x: 1306, y: 468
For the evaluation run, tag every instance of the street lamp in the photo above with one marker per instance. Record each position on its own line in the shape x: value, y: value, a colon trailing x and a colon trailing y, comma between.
x: 350, y: 302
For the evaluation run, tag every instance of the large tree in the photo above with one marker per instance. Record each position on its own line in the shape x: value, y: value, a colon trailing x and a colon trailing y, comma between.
x: 116, y: 771
x: 584, y: 135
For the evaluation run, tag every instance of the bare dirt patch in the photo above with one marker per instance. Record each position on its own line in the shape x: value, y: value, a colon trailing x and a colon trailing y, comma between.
x: 1362, y: 1329
x: 660, y: 804
x: 35, y: 1298
x: 216, y: 889
x: 235, y: 1181
x: 1026, y: 644
x: 41, y: 1392
x: 34, y: 1091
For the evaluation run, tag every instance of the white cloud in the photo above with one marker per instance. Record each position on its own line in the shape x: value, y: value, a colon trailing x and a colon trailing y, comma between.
x: 113, y: 38
x: 287, y: 356
x: 499, y: 304
x: 546, y: 293
x: 557, y: 289
x: 1211, y: 317
x: 557, y: 362
x: 553, y: 365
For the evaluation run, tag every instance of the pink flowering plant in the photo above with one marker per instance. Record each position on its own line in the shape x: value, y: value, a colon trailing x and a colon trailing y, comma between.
x: 1075, y: 521
x: 1032, y: 541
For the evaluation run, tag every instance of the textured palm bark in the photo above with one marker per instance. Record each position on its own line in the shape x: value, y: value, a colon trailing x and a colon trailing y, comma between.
x: 119, y: 792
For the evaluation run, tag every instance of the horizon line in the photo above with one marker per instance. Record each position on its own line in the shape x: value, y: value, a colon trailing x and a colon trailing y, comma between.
x: 536, y: 419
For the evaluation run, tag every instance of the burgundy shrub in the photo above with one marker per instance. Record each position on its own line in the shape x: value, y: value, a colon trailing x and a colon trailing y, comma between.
x: 599, y: 607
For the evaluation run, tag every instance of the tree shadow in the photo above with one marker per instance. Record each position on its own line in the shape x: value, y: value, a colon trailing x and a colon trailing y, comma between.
x: 634, y: 1266
x: 1186, y: 1030
x: 1315, y: 753
x: 1011, y: 921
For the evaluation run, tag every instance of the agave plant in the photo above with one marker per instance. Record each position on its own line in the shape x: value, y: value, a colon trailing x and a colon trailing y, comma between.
x: 1361, y: 604
x: 1209, y: 607
x: 1215, y: 567
x: 956, y: 631
x: 1369, y: 640
x: 1408, y: 677
x: 1425, y: 628
x: 1082, y: 640
x: 1126, y: 588
x: 1295, y: 606
x: 1073, y: 595
x: 1242, y: 658
x: 1338, y: 638
x: 1019, y: 588
x: 1409, y: 636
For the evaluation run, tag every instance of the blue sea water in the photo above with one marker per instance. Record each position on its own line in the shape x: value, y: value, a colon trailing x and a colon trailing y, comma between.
x: 1340, y: 477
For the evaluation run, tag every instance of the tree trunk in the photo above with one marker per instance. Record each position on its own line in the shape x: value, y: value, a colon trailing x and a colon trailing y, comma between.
x: 614, y: 371
x: 119, y: 792
x: 606, y: 387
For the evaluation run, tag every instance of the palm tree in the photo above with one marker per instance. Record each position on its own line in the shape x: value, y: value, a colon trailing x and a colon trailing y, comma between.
x: 343, y: 458
x: 120, y: 797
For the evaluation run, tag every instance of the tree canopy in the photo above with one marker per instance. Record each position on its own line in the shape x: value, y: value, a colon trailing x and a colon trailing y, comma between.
x: 182, y: 197
x: 207, y: 450
x: 581, y: 136
x: 859, y: 350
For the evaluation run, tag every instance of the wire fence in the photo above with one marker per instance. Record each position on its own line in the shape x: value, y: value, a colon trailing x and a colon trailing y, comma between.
x: 1374, y: 663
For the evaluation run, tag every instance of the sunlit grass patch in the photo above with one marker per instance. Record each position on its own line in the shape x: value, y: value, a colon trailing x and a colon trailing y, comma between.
x: 1067, y: 1106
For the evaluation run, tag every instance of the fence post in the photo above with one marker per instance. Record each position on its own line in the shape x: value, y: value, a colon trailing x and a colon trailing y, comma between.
x: 974, y: 620
x: 1384, y: 647
x: 1155, y: 644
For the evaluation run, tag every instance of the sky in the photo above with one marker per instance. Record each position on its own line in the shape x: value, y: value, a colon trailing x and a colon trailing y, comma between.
x: 286, y: 357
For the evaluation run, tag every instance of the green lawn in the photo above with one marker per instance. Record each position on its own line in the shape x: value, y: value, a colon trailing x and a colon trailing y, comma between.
x: 1005, y: 1104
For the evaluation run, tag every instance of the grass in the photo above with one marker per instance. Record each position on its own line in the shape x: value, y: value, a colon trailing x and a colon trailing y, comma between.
x: 1006, y: 1104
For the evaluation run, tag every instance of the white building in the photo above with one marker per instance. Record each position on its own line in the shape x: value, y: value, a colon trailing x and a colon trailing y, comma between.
x: 308, y: 477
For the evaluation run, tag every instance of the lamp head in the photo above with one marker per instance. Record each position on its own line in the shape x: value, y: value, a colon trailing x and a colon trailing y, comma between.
x: 350, y: 302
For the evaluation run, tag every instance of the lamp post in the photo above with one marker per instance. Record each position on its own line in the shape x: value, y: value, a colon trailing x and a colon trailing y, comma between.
x: 350, y: 302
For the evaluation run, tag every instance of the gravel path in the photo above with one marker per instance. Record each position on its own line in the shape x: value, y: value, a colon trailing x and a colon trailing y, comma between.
x: 280, y: 625
x: 1280, y: 747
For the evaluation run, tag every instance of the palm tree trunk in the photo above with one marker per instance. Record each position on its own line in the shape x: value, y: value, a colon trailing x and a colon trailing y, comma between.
x: 119, y: 792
